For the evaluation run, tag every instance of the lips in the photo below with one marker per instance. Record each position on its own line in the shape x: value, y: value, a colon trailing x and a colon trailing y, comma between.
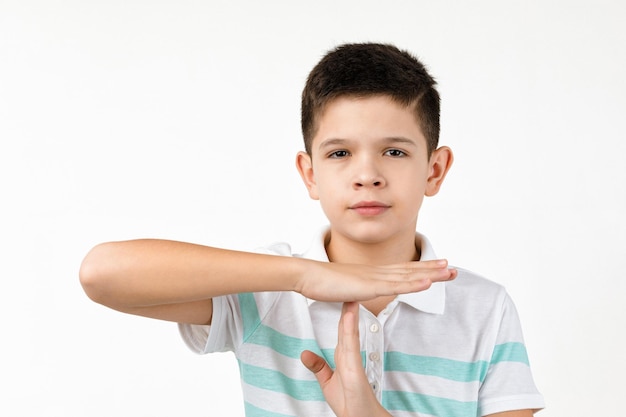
x: 369, y: 208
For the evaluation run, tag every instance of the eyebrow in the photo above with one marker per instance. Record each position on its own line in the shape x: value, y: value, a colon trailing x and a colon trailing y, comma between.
x: 386, y: 141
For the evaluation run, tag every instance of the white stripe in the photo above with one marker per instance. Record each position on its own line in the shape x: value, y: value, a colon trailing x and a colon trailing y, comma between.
x: 282, y: 403
x: 432, y: 385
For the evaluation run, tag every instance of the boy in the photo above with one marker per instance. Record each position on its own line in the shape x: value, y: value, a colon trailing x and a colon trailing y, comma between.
x: 415, y: 337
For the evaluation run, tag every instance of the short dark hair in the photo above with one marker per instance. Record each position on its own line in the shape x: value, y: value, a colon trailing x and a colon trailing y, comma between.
x: 369, y: 69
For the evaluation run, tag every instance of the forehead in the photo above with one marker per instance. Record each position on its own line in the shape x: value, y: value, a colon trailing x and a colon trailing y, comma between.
x: 366, y: 119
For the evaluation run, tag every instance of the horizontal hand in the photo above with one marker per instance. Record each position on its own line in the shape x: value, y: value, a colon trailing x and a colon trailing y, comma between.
x: 336, y: 282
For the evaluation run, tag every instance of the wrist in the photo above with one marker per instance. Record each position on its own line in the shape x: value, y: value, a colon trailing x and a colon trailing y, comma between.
x: 297, y: 272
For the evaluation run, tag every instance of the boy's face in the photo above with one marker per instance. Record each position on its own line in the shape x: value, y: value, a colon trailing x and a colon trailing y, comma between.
x: 370, y: 168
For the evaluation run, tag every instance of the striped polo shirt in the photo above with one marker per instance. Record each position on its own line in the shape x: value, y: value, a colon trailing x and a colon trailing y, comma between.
x: 454, y: 350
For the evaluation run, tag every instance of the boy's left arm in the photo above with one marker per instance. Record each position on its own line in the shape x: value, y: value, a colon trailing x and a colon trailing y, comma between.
x: 347, y: 390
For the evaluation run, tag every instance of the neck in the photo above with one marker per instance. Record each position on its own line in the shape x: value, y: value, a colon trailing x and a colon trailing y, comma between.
x: 400, y: 249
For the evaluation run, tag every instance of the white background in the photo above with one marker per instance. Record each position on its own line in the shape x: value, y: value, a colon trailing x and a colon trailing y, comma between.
x: 180, y: 120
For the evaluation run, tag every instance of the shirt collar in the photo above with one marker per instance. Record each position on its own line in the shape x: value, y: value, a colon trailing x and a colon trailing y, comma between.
x: 432, y: 300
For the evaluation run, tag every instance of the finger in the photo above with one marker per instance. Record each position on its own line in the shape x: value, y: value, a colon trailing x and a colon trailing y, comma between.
x: 440, y: 271
x: 413, y: 282
x: 430, y: 270
x: 349, y: 319
x: 317, y: 365
x: 349, y: 347
x: 421, y: 265
x: 436, y: 275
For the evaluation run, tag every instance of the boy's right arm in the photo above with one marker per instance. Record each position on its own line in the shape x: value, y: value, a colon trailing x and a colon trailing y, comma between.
x: 171, y: 280
x: 176, y: 281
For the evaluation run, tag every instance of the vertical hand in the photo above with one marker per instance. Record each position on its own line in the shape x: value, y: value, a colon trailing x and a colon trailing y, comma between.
x: 347, y: 389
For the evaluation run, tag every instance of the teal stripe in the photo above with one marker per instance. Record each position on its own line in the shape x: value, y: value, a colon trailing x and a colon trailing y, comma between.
x: 291, y: 346
x: 281, y: 343
x: 428, y: 404
x: 510, y: 352
x: 249, y: 313
x: 439, y: 367
x: 252, y: 411
x: 278, y: 382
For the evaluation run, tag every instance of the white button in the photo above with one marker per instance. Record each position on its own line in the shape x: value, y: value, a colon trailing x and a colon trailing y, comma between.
x: 373, y: 385
x: 374, y: 328
x: 374, y: 356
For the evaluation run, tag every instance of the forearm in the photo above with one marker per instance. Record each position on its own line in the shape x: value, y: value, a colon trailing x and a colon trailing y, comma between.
x: 141, y: 273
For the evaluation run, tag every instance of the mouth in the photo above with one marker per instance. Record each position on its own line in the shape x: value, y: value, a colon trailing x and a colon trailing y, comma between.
x: 369, y: 208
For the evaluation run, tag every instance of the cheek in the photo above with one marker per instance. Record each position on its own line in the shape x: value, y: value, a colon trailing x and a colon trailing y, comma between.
x: 327, y: 191
x: 412, y: 179
x: 326, y: 182
x: 332, y: 197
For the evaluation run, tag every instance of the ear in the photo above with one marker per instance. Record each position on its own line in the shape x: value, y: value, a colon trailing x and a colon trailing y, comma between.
x: 439, y: 165
x: 305, y: 168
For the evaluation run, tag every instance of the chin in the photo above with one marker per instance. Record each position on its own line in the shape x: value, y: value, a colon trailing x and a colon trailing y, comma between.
x: 368, y: 235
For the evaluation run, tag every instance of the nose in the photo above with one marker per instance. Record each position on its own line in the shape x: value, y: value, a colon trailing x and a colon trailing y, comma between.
x: 367, y: 174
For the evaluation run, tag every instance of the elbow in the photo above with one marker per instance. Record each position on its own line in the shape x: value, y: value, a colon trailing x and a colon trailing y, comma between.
x: 93, y: 274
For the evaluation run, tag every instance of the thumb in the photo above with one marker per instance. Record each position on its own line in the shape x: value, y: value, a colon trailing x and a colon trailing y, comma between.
x: 317, y: 365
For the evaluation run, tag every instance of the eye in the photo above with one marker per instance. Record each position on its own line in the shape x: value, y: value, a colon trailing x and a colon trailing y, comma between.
x: 396, y: 153
x: 338, y: 154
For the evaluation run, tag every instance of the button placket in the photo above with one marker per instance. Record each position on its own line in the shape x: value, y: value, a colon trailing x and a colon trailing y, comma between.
x: 373, y: 354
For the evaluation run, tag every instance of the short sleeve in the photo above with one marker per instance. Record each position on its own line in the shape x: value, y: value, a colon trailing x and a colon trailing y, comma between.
x: 509, y: 384
x: 223, y: 333
x: 232, y: 315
